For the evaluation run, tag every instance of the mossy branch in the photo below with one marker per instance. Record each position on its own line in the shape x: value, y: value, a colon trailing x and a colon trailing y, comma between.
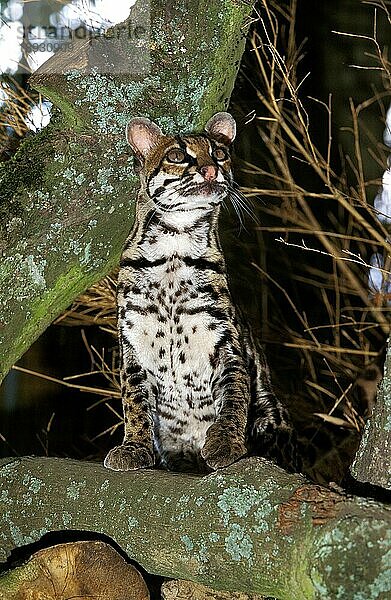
x: 67, y: 197
x: 250, y: 527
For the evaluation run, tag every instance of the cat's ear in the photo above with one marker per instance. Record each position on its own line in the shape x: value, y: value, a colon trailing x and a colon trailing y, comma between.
x: 142, y: 135
x: 222, y: 127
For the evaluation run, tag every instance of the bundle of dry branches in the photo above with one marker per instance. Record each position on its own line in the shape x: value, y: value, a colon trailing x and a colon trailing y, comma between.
x: 95, y: 307
x: 324, y: 217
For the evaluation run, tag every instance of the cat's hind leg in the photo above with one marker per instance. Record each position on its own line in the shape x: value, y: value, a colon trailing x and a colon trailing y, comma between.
x: 269, y: 430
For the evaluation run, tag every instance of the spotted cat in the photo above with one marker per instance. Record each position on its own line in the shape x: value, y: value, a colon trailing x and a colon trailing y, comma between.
x: 195, y: 389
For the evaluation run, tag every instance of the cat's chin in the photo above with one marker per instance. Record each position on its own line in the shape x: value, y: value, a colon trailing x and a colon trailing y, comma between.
x: 188, y: 215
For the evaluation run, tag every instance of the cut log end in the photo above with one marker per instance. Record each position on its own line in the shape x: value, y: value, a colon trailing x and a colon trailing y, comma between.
x: 74, y: 570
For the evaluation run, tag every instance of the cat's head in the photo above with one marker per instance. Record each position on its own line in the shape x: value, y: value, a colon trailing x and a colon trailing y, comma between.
x: 184, y: 172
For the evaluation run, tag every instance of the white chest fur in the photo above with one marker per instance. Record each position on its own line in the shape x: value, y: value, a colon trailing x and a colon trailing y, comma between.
x: 174, y: 344
x: 175, y: 336
x: 172, y: 332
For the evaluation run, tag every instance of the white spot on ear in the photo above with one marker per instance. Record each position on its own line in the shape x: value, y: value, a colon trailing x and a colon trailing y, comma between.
x: 222, y: 127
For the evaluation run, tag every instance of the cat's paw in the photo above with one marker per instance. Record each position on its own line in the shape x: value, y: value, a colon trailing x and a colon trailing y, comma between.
x: 128, y: 458
x: 221, y: 449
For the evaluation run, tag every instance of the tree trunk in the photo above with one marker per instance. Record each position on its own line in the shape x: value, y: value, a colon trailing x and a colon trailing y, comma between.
x: 67, y: 197
x: 373, y: 460
x: 250, y: 528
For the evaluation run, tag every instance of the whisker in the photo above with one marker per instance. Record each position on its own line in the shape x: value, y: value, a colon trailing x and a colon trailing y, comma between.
x: 238, y: 212
x: 243, y: 202
x: 183, y: 187
x: 237, y: 208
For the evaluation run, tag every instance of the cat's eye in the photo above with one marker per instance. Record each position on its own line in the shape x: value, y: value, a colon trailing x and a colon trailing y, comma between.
x: 219, y: 154
x: 175, y: 155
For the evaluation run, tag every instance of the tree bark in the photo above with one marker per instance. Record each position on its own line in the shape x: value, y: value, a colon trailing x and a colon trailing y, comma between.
x: 373, y: 460
x: 249, y: 528
x: 67, y: 197
x: 187, y: 590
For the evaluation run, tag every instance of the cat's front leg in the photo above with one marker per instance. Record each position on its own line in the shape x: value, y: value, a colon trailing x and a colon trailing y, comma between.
x: 225, y: 438
x: 136, y: 450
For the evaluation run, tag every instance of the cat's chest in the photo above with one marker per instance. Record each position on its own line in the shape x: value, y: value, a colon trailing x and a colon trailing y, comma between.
x: 159, y: 241
x: 168, y: 323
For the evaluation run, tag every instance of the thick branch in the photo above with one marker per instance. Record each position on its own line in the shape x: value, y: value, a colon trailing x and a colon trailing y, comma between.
x: 251, y: 527
x: 66, y: 201
x: 373, y: 461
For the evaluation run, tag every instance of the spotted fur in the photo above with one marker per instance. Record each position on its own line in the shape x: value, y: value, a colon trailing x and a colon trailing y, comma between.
x: 196, y: 391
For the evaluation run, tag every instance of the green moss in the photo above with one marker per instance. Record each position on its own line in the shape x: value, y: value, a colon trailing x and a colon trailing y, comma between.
x: 23, y: 172
x: 43, y: 307
x: 229, y: 51
x: 70, y: 117
x: 301, y: 584
x: 9, y: 583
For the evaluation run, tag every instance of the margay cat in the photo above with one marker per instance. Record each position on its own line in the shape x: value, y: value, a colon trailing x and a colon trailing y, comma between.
x: 196, y: 392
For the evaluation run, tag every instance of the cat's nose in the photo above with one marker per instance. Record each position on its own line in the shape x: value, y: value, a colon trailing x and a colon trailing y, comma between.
x: 209, y: 172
